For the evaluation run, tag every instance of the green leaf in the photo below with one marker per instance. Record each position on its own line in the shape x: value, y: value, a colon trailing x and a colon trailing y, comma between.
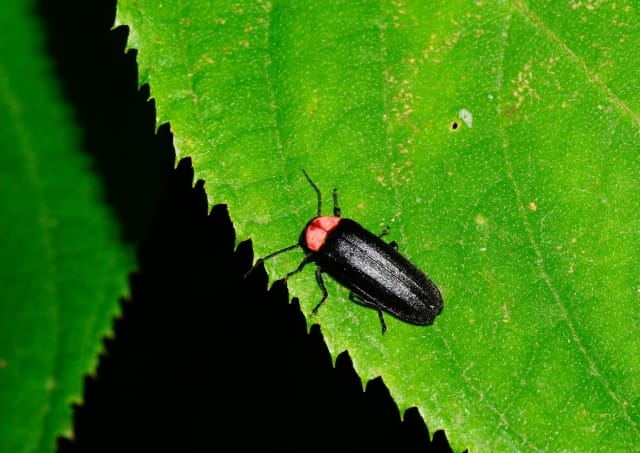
x: 63, y: 266
x: 498, y: 140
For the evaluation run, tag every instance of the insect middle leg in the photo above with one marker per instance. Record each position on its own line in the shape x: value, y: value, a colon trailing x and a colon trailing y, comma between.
x: 303, y: 263
x: 384, y: 232
x: 323, y: 288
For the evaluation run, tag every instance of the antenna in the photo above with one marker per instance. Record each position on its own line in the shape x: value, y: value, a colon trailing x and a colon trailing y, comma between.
x: 317, y: 192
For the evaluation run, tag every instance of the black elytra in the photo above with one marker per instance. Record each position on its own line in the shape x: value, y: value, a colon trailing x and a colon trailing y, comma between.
x: 377, y: 275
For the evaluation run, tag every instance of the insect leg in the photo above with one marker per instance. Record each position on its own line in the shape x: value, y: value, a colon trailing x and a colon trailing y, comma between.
x: 323, y: 288
x: 371, y: 304
x: 384, y: 326
x: 301, y: 266
x: 386, y: 230
x: 270, y: 255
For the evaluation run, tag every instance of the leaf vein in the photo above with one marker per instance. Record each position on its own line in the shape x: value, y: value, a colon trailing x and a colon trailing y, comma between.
x: 591, y: 75
x: 593, y: 368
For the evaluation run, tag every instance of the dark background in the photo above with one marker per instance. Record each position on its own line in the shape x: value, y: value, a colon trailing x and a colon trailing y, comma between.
x: 201, y: 360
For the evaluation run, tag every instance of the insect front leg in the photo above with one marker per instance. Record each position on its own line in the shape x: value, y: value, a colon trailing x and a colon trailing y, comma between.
x: 271, y: 255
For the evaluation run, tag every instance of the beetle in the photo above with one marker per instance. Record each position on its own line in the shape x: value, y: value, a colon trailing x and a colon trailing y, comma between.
x: 377, y: 275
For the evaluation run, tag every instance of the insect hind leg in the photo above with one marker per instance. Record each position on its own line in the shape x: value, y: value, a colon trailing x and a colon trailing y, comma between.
x: 361, y: 300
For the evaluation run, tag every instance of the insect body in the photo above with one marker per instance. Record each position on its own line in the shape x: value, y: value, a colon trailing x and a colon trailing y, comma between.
x: 378, y: 276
